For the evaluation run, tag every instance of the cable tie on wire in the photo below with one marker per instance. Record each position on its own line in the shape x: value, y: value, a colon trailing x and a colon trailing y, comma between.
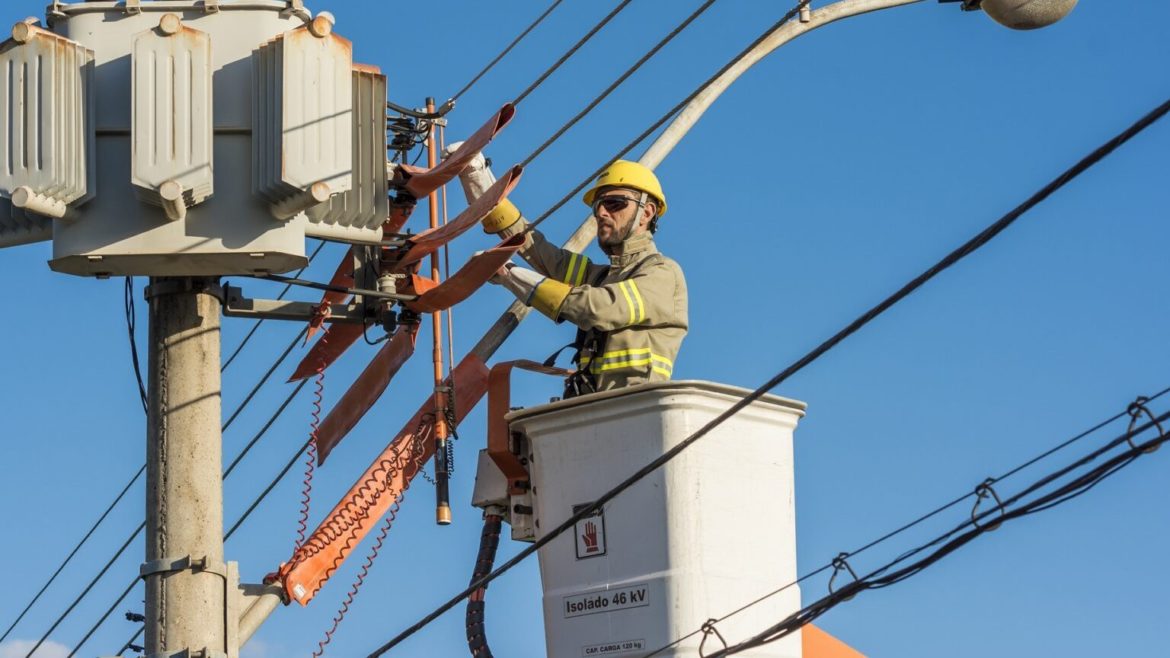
x: 983, y: 491
x: 1135, y: 411
x: 708, y: 630
x: 841, y: 562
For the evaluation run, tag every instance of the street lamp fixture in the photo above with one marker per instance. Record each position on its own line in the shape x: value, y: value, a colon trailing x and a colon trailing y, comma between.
x: 1021, y: 14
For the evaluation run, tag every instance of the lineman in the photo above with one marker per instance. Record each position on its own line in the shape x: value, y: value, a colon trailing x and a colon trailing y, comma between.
x: 631, y: 313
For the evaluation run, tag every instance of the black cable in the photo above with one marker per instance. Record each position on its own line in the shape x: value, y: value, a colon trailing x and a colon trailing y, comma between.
x: 489, y: 541
x: 252, y: 331
x: 569, y: 53
x: 142, y: 469
x: 74, y: 551
x: 227, y: 472
x: 616, y: 83
x: 239, y: 457
x: 670, y: 113
x: 372, y: 294
x: 505, y: 51
x: 244, y: 517
x: 973, y: 529
x: 955, y: 256
x: 131, y: 322
x: 916, y: 522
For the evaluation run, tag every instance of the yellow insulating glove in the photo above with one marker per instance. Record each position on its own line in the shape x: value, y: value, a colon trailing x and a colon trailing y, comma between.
x: 548, y: 297
x: 501, y: 217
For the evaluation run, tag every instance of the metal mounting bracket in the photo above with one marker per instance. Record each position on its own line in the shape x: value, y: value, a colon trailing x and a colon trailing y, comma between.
x: 210, y: 6
x: 133, y: 7
x: 237, y: 305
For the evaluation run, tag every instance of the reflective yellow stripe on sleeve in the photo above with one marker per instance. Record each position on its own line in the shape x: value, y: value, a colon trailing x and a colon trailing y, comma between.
x: 638, y: 298
x: 629, y: 300
x: 575, y: 271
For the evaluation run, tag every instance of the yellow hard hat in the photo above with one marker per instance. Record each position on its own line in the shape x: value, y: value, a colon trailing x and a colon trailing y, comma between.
x: 632, y: 175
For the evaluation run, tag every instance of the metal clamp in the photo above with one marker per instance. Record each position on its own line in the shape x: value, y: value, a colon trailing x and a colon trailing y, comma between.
x: 1135, y: 411
x: 189, y: 653
x: 709, y: 629
x: 211, y: 6
x: 133, y: 7
x: 185, y: 563
x: 182, y: 285
x: 841, y: 563
x: 985, y: 490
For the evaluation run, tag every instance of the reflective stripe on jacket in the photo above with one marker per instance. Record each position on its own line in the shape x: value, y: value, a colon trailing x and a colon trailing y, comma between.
x: 638, y: 301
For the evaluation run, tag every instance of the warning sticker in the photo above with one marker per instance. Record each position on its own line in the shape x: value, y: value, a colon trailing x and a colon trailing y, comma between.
x: 609, y: 600
x: 614, y: 648
x: 590, y: 533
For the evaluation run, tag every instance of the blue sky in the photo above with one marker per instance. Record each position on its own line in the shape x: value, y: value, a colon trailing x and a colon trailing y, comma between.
x: 831, y: 173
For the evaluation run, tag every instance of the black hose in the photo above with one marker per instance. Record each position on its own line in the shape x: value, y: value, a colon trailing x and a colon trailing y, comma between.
x: 489, y: 540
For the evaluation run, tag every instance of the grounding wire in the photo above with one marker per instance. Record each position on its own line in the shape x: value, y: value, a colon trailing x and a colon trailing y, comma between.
x: 227, y: 472
x: 226, y: 424
x: 571, y: 51
x: 950, y: 259
x: 669, y: 113
x: 252, y: 331
x: 505, y: 51
x: 1066, y: 492
x: 239, y: 522
x: 131, y: 323
x: 616, y: 83
x: 921, y: 519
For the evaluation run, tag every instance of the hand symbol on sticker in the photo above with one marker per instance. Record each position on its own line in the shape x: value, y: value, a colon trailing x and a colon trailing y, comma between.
x: 590, y: 537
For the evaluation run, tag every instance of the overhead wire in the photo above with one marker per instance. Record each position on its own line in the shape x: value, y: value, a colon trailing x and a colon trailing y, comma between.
x: 616, y: 83
x: 256, y: 325
x: 668, y: 115
x: 227, y: 472
x: 506, y: 50
x: 131, y: 325
x: 950, y: 259
x: 972, y: 529
x: 571, y: 51
x: 918, y: 521
x: 239, y: 457
x: 296, y: 457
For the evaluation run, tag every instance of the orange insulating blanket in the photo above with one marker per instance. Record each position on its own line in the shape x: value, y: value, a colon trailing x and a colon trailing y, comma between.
x: 378, y: 488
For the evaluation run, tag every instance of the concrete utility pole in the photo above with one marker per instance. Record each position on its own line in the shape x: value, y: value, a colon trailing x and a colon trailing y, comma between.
x: 187, y: 582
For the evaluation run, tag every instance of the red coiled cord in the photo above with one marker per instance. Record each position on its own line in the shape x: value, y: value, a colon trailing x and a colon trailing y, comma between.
x: 311, y: 453
x: 391, y: 515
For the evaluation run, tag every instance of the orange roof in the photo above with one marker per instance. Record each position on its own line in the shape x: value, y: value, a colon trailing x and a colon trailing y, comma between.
x: 819, y: 644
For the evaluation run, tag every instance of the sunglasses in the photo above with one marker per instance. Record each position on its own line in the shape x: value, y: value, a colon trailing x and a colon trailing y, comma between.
x: 613, y: 204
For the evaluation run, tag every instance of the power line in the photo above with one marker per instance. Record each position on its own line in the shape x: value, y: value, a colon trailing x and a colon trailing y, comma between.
x: 72, y: 553
x: 955, y: 256
x: 130, y: 315
x: 616, y: 83
x: 569, y: 53
x: 670, y: 113
x: 506, y: 50
x: 971, y: 529
x: 256, y: 325
x: 227, y: 472
x: 236, y: 526
x: 142, y: 526
x: 921, y: 519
